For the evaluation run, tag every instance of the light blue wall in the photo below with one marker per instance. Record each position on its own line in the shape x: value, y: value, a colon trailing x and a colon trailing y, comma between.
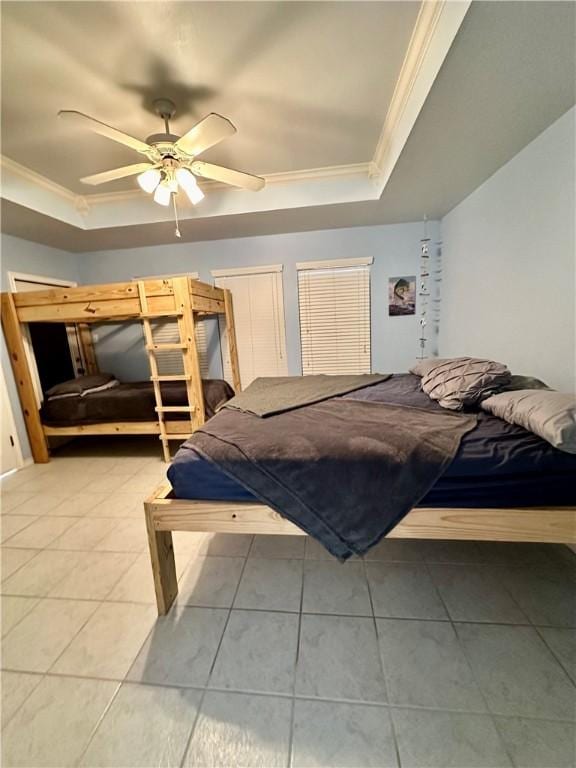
x: 395, y: 249
x: 508, y: 290
x: 18, y: 255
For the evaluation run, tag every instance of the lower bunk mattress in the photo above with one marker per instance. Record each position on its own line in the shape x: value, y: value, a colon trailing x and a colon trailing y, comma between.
x: 131, y: 401
x: 497, y: 465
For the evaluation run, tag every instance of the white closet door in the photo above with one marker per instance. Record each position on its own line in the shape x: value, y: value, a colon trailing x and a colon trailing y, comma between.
x: 334, y: 303
x: 258, y: 301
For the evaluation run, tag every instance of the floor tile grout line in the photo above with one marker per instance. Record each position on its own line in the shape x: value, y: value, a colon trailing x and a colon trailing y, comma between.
x: 226, y: 622
x: 515, y: 602
x: 193, y: 727
x: 41, y: 675
x: 558, y: 659
x: 203, y: 695
x: 81, y: 628
x: 382, y: 667
x: 474, y: 676
x: 98, y: 724
x: 38, y: 551
x: 5, y: 542
x: 447, y: 620
x: 298, y: 697
x: 296, y: 661
x: 21, y: 619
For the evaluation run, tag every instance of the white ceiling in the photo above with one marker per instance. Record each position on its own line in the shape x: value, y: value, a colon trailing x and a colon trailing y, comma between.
x: 307, y: 84
x: 507, y: 76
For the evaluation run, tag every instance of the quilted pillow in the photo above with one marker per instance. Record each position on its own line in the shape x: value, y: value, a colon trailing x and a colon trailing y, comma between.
x: 462, y: 381
x: 423, y: 367
x: 549, y: 414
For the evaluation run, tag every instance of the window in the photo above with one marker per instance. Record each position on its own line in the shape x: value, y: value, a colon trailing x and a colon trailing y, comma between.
x: 334, y: 302
x: 171, y: 363
x: 258, y: 301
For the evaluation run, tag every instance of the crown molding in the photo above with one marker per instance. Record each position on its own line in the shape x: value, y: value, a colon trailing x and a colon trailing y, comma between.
x: 360, y: 170
x: 42, y: 182
x: 436, y: 27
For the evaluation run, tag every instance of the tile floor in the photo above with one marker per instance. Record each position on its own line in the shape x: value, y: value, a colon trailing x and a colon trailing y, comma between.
x: 423, y: 654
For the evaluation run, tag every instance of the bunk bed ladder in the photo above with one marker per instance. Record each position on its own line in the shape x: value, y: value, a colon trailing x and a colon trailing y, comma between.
x: 191, y: 375
x: 149, y: 338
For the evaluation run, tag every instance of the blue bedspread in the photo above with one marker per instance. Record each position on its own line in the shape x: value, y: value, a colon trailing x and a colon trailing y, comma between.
x: 497, y: 464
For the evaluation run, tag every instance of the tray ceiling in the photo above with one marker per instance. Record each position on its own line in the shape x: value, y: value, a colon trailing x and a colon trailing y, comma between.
x: 486, y: 84
x: 307, y: 84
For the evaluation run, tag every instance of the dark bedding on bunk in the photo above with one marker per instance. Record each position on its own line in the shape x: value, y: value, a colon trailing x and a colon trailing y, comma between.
x: 497, y: 464
x: 132, y: 401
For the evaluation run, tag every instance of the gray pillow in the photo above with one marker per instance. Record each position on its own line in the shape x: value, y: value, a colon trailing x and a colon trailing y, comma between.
x: 461, y: 381
x: 524, y: 382
x: 82, y: 385
x: 549, y: 414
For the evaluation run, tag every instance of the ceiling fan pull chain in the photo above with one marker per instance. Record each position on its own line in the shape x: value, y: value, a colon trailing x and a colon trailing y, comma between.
x: 177, y: 230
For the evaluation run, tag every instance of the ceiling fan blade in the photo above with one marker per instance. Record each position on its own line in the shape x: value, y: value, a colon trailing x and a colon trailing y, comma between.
x: 117, y: 173
x: 209, y: 131
x: 84, y: 121
x: 227, y: 175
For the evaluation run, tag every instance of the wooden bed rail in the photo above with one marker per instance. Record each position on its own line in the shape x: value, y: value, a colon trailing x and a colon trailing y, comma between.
x: 116, y: 301
x: 165, y: 514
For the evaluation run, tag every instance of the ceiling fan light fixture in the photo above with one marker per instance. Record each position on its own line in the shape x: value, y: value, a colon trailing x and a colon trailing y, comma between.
x: 149, y: 180
x: 163, y: 194
x: 188, y: 182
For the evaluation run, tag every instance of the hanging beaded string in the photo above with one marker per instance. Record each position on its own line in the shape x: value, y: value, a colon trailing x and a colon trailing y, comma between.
x: 424, y: 291
x: 177, y: 230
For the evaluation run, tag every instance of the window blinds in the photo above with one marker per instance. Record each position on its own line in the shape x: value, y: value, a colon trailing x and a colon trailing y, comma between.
x: 170, y: 363
x: 334, y: 302
x: 258, y: 302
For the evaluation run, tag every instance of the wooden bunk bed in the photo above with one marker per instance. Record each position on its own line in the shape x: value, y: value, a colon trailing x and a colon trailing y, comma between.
x: 183, y: 299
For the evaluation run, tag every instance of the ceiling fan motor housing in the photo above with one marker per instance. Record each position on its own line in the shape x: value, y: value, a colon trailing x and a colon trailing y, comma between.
x: 162, y: 138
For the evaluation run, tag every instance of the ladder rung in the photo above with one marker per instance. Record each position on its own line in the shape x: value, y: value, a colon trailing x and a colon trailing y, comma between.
x: 174, y: 409
x: 166, y: 313
x: 178, y: 377
x: 179, y: 436
x: 162, y: 347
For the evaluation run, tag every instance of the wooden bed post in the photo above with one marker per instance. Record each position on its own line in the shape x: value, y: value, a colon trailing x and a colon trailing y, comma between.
x: 163, y: 565
x: 187, y: 326
x: 87, y: 348
x: 15, y: 344
x: 232, y: 348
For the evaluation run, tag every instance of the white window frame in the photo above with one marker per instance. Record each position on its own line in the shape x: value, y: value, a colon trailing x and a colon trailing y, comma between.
x: 75, y: 348
x: 335, y: 264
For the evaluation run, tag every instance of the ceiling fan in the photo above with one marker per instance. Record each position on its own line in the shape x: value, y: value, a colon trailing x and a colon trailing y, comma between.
x: 171, y: 160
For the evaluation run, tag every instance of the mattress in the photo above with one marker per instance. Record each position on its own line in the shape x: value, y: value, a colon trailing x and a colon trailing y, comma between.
x: 497, y: 465
x: 132, y: 401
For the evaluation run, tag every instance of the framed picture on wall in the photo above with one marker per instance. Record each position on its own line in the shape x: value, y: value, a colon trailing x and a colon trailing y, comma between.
x: 402, y: 296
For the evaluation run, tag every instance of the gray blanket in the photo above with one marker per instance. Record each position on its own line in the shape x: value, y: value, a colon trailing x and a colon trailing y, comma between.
x: 345, y: 471
x: 276, y: 394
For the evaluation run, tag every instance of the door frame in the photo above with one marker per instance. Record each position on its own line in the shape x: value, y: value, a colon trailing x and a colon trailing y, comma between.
x: 75, y: 348
x: 12, y: 421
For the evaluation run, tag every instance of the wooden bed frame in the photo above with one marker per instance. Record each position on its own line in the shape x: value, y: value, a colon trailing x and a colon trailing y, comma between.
x: 165, y: 514
x: 181, y: 298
